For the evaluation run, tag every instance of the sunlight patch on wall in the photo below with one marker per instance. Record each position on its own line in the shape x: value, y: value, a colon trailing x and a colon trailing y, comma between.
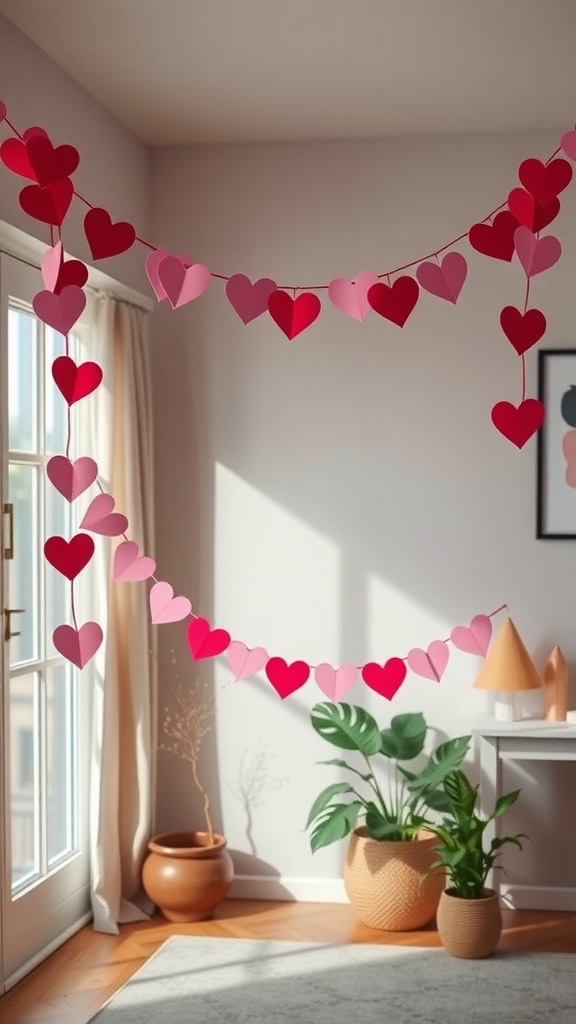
x: 396, y: 621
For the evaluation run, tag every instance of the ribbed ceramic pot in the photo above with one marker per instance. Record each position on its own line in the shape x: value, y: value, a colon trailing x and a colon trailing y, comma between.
x: 469, y: 929
x: 383, y: 881
x: 186, y: 876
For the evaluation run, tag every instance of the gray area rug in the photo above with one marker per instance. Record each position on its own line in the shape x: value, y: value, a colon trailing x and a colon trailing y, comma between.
x: 254, y: 981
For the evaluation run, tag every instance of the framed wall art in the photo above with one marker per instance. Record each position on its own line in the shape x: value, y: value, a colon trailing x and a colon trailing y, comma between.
x: 556, y: 446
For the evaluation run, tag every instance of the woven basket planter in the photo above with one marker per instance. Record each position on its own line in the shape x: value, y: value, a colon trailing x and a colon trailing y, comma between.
x: 383, y: 881
x: 469, y: 929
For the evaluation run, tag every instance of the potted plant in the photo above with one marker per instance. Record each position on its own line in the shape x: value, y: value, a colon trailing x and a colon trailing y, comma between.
x: 469, y: 918
x: 390, y: 847
x: 187, y: 874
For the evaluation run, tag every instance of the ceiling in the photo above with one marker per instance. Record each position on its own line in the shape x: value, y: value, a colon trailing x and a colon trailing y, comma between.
x: 196, y: 71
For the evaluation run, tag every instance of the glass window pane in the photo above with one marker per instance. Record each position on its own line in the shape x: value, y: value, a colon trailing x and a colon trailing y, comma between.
x: 56, y: 408
x: 22, y: 381
x: 24, y: 774
x: 60, y: 759
x: 23, y: 569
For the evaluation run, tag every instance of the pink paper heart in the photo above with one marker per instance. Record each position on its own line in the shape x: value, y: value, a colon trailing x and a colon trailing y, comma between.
x: 60, y: 311
x: 568, y: 144
x: 430, y: 663
x: 335, y: 683
x: 153, y: 261
x: 205, y: 642
x: 71, y: 478
x: 78, y: 645
x: 351, y: 297
x: 249, y: 300
x: 50, y: 266
x: 446, y: 279
x: 475, y: 638
x: 129, y: 565
x: 244, y: 661
x: 536, y: 254
x: 182, y: 284
x: 164, y: 607
x: 100, y: 518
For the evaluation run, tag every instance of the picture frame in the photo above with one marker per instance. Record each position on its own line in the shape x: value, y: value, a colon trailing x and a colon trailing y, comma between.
x: 556, y: 446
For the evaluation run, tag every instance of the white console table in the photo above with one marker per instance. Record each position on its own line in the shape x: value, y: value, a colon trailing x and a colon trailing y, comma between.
x: 526, y: 740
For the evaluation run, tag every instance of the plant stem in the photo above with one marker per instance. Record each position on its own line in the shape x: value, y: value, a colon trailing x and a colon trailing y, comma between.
x: 376, y: 789
x: 204, y: 793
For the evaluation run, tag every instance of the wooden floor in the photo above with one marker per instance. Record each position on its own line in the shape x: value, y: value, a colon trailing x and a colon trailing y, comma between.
x: 74, y: 982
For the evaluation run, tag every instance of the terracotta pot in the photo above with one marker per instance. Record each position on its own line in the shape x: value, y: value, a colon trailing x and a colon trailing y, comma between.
x: 469, y: 929
x: 383, y: 881
x: 185, y: 876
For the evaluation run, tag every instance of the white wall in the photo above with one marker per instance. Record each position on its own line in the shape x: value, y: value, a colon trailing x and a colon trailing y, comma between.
x: 113, y: 170
x: 342, y: 497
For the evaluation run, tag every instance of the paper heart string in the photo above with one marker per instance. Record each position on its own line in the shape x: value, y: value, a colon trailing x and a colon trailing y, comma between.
x: 394, y: 302
x: 243, y: 661
x: 164, y: 607
x: 293, y: 316
x: 152, y: 262
x: 385, y: 679
x: 351, y: 297
x: 50, y: 265
x: 249, y: 300
x: 51, y: 164
x: 71, y: 478
x: 69, y: 557
x: 106, y: 238
x: 75, y: 382
x: 182, y: 284
x: 536, y: 254
x: 445, y: 280
x: 475, y: 638
x: 78, y: 645
x: 523, y: 330
x: 205, y: 642
x: 129, y: 565
x: 518, y: 423
x: 60, y: 310
x: 496, y: 239
x: 530, y: 213
x: 50, y: 204
x: 100, y: 517
x: 430, y: 663
x: 286, y: 679
x: 545, y: 181
x: 335, y: 683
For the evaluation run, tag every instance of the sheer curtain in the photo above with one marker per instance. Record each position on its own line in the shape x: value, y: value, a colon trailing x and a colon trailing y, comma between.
x: 121, y: 785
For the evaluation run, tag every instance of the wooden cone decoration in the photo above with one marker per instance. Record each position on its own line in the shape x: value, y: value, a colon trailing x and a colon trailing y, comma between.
x: 556, y: 687
x: 508, y: 667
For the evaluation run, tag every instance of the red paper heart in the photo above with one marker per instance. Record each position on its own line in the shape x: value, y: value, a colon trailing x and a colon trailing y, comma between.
x: 523, y: 330
x: 105, y: 238
x: 205, y: 642
x: 496, y: 239
x: 69, y: 557
x: 286, y: 679
x: 75, y: 382
x: 385, y: 679
x: 394, y: 302
x: 14, y: 156
x: 49, y: 204
x: 293, y: 315
x: 48, y: 163
x: 518, y: 424
x: 545, y: 181
x: 71, y: 272
x: 529, y: 213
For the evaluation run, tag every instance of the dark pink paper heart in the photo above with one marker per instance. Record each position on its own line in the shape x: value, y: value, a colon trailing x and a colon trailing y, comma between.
x: 249, y: 300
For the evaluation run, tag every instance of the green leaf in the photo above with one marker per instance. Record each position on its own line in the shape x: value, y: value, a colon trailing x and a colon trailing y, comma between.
x: 337, y: 822
x: 461, y: 794
x: 444, y: 759
x: 365, y: 776
x: 379, y: 828
x: 324, y: 798
x: 347, y: 726
x: 405, y: 738
x: 504, y: 803
x: 437, y: 800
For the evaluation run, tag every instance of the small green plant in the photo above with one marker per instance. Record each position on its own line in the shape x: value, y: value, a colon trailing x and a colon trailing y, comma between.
x: 462, y: 851
x: 399, y: 812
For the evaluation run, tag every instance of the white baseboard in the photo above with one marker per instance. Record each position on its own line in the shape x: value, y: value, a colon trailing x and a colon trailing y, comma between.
x: 304, y: 890
x: 46, y: 952
x: 538, y: 897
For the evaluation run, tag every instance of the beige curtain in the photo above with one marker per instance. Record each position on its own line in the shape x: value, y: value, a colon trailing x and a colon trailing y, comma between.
x: 122, y: 767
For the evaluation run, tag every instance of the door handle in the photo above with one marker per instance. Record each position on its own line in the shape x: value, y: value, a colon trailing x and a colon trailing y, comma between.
x: 9, y: 511
x: 9, y: 612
